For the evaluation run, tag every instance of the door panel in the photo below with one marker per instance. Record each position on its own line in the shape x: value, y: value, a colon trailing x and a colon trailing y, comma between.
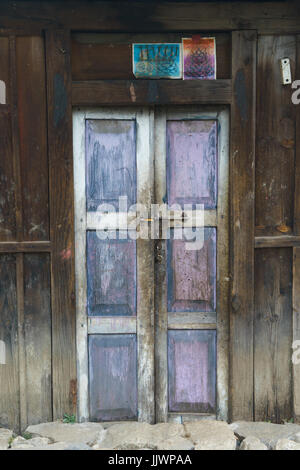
x: 191, y: 274
x: 192, y: 162
x: 113, y: 377
x: 192, y: 371
x: 111, y: 276
x: 110, y: 162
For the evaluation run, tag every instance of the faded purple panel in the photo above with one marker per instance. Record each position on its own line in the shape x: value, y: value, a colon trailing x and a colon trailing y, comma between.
x: 111, y: 276
x: 191, y: 275
x: 110, y: 162
x: 192, y: 162
x: 113, y: 377
x: 192, y: 370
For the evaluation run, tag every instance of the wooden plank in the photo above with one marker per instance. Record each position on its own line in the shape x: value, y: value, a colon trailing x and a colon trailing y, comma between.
x: 21, y: 342
x: 31, y: 86
x: 274, y: 183
x: 80, y: 264
x: 113, y: 377
x: 192, y: 320
x: 25, y: 247
x: 4, y: 70
x: 62, y: 221
x: 223, y: 265
x: 160, y: 291
x: 143, y: 16
x: 296, y: 255
x: 192, y: 371
x: 109, y: 325
x: 9, y: 372
x: 15, y: 140
x: 7, y: 180
x: 37, y: 335
x: 145, y: 269
x: 109, y: 56
x: 277, y: 242
x: 242, y: 224
x: 273, y: 335
x: 148, y: 92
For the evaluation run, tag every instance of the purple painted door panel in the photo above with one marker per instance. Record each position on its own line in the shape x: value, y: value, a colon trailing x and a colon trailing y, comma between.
x: 111, y: 276
x: 113, y: 377
x: 192, y: 162
x: 191, y: 275
x: 110, y: 162
x: 192, y: 371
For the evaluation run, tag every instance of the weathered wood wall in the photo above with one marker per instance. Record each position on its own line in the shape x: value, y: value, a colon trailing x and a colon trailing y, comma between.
x: 38, y: 382
x: 37, y: 312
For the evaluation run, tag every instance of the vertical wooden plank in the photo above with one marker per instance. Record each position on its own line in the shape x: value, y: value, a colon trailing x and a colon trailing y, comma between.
x: 242, y: 223
x: 274, y: 177
x: 5, y: 69
x: 16, y: 140
x: 161, y: 311
x: 61, y: 220
x: 37, y: 332
x: 223, y: 266
x: 9, y: 372
x: 7, y: 180
x: 113, y: 377
x: 273, y: 335
x: 31, y: 86
x: 21, y: 340
x: 296, y: 253
x: 145, y: 269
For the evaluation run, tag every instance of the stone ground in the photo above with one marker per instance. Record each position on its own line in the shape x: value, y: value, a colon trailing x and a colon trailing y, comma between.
x: 197, y: 435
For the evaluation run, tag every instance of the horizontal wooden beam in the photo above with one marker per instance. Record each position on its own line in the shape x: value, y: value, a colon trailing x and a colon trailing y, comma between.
x: 147, y: 92
x: 277, y: 242
x: 25, y: 247
x: 192, y: 321
x: 153, y: 16
x: 109, y: 325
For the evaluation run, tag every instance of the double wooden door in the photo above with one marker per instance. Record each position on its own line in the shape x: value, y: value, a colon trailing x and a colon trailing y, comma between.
x: 151, y: 205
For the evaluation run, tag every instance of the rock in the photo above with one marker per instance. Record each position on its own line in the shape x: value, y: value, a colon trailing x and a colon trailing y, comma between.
x: 55, y: 446
x: 19, y: 441
x: 65, y: 432
x: 252, y: 443
x: 176, y: 443
x: 5, y: 438
x: 296, y: 437
x: 125, y: 436
x: 39, y: 441
x: 268, y: 433
x: 211, y: 435
x: 287, y: 444
x: 140, y: 436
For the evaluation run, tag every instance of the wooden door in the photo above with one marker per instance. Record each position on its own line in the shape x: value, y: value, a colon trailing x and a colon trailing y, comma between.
x: 135, y: 269
x: 191, y: 322
x: 114, y: 276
